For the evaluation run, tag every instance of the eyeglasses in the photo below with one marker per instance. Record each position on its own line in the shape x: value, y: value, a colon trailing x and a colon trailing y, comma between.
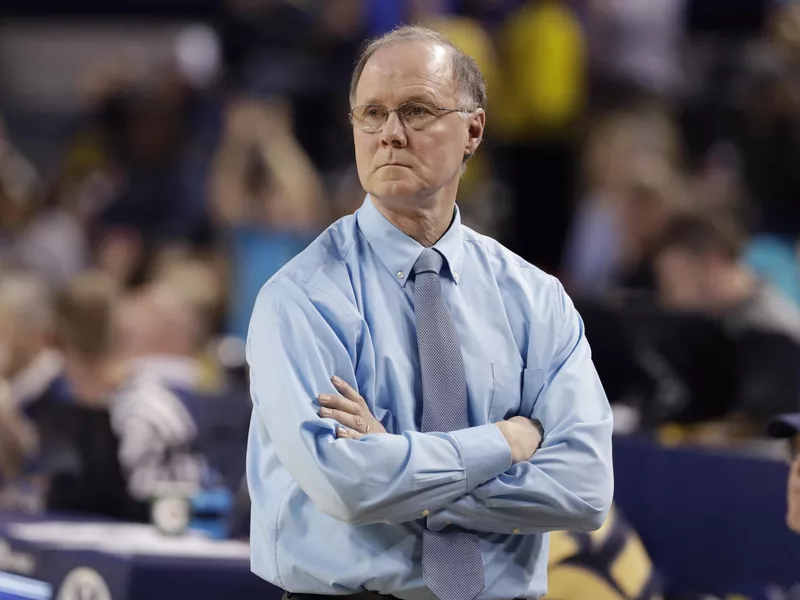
x: 416, y: 115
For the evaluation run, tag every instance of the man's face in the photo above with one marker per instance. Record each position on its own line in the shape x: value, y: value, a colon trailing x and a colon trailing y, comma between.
x: 399, y: 162
x: 681, y: 279
x: 793, y: 488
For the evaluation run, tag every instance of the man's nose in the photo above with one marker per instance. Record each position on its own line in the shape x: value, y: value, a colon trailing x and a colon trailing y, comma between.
x: 393, y: 132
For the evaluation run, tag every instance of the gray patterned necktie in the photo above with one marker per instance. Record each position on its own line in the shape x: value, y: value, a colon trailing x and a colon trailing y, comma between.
x: 452, y: 564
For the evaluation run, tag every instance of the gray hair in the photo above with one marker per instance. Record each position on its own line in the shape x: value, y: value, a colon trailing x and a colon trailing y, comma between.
x: 28, y: 299
x: 468, y: 76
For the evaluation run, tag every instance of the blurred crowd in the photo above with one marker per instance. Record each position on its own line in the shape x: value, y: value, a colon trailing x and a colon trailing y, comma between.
x: 644, y: 151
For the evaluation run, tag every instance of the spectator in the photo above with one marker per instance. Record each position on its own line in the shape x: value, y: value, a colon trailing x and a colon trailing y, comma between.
x: 617, y: 154
x: 33, y: 363
x: 788, y: 427
x: 92, y: 480
x: 699, y: 269
x: 172, y: 344
x: 543, y: 59
x: 197, y: 283
x: 165, y: 331
x: 154, y: 431
x: 267, y: 197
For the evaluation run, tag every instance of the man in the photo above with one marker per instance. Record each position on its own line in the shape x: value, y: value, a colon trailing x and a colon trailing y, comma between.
x: 699, y: 268
x: 425, y: 406
x: 788, y: 427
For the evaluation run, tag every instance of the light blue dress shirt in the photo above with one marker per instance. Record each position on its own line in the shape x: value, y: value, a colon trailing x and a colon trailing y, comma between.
x: 339, y: 516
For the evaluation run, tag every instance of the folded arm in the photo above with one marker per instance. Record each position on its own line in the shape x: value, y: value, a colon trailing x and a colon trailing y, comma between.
x: 568, y: 483
x: 299, y: 337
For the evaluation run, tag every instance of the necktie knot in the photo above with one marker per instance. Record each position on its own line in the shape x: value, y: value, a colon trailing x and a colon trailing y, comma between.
x: 429, y: 261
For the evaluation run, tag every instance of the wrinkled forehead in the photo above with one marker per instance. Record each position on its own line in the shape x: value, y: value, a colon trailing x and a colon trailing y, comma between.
x: 408, y: 71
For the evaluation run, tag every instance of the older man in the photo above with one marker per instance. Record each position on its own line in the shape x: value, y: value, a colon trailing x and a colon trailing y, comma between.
x: 788, y: 427
x: 469, y: 420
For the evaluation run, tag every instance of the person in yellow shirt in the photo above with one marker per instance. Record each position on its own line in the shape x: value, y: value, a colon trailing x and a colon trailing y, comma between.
x: 543, y: 60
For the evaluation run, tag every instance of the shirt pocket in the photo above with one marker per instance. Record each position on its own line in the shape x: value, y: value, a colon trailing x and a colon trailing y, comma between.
x: 514, y: 391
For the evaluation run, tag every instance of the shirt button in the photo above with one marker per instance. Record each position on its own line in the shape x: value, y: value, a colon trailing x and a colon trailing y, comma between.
x: 400, y: 274
x: 516, y: 531
x: 426, y: 512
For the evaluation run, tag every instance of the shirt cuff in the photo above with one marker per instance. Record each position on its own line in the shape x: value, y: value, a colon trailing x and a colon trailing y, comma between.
x: 485, y: 451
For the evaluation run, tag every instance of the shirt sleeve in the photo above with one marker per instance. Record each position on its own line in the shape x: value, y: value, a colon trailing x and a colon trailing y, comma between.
x: 299, y: 338
x: 568, y: 483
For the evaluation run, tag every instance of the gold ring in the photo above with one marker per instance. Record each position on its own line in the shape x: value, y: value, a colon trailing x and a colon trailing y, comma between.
x: 366, y: 432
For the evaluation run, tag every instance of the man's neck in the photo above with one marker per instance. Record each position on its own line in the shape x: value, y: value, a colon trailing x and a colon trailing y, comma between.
x: 426, y: 222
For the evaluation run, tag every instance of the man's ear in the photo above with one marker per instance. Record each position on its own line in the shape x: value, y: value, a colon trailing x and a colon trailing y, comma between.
x: 477, y: 123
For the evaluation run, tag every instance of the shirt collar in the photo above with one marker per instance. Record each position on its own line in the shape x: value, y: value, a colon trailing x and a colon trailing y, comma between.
x: 398, y: 252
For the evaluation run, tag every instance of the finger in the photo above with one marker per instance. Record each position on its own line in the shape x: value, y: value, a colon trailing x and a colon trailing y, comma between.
x: 343, y: 418
x: 349, y: 434
x: 346, y: 390
x: 339, y: 403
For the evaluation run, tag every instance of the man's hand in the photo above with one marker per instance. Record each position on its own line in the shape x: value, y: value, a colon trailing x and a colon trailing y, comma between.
x: 523, y: 436
x: 349, y: 410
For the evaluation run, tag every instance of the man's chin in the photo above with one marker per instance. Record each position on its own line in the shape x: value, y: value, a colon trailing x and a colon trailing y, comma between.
x: 396, y: 190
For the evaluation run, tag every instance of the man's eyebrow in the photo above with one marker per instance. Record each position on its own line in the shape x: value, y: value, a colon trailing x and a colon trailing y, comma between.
x: 427, y: 99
